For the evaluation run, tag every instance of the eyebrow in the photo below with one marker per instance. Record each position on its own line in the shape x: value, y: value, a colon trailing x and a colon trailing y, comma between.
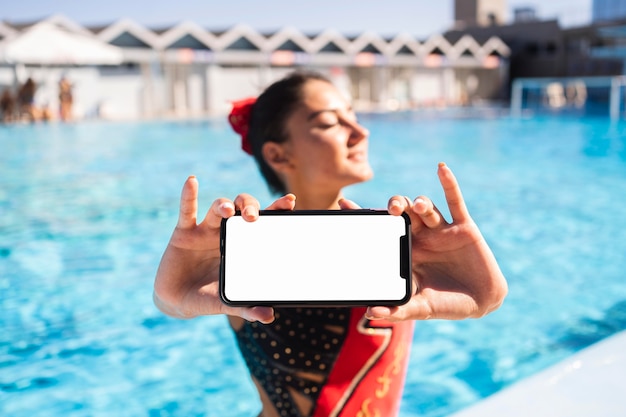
x: 317, y: 113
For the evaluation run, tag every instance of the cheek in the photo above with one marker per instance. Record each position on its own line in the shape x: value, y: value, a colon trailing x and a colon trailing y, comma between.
x: 320, y: 147
x: 321, y: 158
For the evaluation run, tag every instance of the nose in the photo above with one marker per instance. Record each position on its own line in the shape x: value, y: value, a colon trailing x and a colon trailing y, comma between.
x: 357, y: 132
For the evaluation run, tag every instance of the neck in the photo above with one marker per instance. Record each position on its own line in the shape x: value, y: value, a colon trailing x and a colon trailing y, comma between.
x: 311, y: 201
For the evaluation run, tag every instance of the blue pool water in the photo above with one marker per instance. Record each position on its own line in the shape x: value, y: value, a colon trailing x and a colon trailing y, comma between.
x: 86, y: 211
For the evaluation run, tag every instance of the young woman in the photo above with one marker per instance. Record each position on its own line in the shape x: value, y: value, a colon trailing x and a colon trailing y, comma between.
x: 308, y: 144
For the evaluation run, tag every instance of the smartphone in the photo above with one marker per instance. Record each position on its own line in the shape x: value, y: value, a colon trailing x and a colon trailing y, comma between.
x: 310, y: 257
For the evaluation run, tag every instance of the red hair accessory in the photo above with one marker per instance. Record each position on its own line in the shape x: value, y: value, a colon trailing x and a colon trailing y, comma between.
x: 239, y: 119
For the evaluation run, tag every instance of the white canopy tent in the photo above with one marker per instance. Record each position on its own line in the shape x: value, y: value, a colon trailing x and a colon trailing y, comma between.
x: 47, y: 52
x: 49, y: 44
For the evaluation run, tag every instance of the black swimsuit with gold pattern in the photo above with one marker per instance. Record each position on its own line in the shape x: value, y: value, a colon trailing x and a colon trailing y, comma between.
x: 326, y: 355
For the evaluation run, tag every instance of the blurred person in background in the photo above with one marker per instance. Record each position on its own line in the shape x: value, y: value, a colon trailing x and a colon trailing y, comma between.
x: 7, y: 106
x: 66, y: 99
x: 26, y: 101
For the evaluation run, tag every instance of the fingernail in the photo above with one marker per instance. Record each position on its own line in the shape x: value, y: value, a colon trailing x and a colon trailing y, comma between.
x: 373, y: 317
x: 250, y: 211
x: 227, y: 205
x: 263, y: 312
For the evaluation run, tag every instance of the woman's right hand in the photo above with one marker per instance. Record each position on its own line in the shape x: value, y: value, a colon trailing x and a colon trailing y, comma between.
x: 187, y: 280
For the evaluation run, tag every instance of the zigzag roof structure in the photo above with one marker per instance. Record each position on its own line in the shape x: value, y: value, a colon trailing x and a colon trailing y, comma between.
x: 185, y: 69
x: 140, y: 43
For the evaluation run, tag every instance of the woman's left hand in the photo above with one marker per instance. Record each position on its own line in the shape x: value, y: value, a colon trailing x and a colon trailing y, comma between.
x: 455, y: 274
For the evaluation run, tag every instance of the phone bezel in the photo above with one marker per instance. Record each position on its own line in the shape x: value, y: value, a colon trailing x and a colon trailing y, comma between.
x: 404, y: 263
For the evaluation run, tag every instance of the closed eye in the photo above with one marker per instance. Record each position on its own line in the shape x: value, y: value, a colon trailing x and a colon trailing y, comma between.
x: 327, y: 119
x: 327, y: 125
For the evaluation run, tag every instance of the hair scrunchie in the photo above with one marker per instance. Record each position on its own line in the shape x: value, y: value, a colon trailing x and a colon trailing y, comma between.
x: 239, y: 119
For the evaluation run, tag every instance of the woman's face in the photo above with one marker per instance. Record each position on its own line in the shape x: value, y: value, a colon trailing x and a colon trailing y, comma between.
x: 326, y: 146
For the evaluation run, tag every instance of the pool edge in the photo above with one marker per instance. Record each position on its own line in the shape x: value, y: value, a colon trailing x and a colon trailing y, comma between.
x: 588, y: 383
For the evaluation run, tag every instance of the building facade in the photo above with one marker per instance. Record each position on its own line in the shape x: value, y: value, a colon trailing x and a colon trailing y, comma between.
x: 188, y: 71
x: 607, y: 10
x: 470, y: 13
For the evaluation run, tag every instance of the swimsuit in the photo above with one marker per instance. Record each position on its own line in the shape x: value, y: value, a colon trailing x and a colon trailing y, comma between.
x: 343, y: 363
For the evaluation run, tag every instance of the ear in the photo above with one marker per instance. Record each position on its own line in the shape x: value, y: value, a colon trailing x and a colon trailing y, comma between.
x: 277, y: 156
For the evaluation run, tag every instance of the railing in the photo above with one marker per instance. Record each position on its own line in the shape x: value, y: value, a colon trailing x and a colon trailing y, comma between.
x: 568, y: 91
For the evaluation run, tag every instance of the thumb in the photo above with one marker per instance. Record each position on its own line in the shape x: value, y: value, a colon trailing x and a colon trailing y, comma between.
x: 264, y: 315
x: 346, y: 204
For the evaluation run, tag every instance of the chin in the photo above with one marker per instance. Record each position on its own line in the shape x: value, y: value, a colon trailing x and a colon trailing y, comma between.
x: 364, y: 175
x: 368, y: 175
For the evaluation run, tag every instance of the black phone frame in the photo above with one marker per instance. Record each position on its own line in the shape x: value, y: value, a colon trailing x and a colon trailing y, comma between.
x: 405, y: 263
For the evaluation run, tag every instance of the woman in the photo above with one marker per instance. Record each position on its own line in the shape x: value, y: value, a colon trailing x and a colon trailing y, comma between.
x: 308, y: 144
x: 65, y: 99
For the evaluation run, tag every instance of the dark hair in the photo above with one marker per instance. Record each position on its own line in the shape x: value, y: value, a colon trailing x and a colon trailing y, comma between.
x: 269, y: 117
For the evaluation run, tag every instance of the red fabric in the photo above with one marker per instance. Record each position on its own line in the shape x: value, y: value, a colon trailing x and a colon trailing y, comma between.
x: 368, y: 377
x: 239, y: 119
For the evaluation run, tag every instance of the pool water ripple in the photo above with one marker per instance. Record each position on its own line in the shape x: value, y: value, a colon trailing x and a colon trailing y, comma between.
x: 86, y: 211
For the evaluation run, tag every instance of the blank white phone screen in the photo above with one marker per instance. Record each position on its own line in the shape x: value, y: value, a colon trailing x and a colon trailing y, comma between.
x: 314, y: 258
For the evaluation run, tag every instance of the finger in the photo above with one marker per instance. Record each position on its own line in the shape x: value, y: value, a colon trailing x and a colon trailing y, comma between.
x: 428, y: 305
x: 346, y: 204
x: 378, y: 313
x: 188, y: 212
x: 427, y: 211
x: 248, y: 206
x: 286, y: 202
x: 399, y: 204
x: 264, y: 315
x: 415, y: 309
x: 217, y: 306
x: 221, y: 208
x: 452, y: 191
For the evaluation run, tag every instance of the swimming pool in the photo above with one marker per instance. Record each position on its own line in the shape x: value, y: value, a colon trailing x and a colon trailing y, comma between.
x: 86, y: 211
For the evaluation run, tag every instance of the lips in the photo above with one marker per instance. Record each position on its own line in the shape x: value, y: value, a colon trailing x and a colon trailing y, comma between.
x: 358, y: 156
